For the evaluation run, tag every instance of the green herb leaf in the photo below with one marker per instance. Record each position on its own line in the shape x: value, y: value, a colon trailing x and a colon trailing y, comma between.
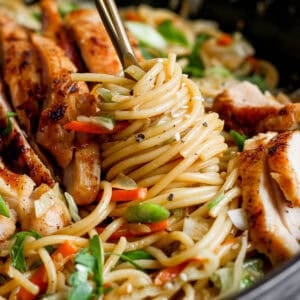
x: 17, y: 250
x: 195, y: 66
x: 149, y: 52
x: 146, y: 213
x: 83, y: 291
x: 4, y: 211
x: 67, y: 7
x: 146, y: 34
x: 86, y: 259
x: 97, y: 252
x: 216, y: 201
x: 137, y: 254
x: 7, y: 130
x: 238, y: 138
x: 172, y: 34
x: 37, y: 16
x: 217, y: 71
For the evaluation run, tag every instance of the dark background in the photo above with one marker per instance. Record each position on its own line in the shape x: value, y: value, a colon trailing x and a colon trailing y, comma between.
x: 272, y: 26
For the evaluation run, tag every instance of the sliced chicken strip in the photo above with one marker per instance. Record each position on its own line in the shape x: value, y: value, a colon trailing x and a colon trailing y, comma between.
x: 18, y: 191
x: 60, y: 106
x: 287, y: 118
x: 54, y: 28
x: 7, y: 226
x: 21, y: 72
x: 242, y: 106
x: 18, y: 153
x: 258, y: 140
x: 82, y: 176
x: 95, y: 45
x: 267, y: 232
x: 246, y: 109
x: 290, y: 216
x: 55, y: 217
x: 284, y: 164
x: 66, y: 100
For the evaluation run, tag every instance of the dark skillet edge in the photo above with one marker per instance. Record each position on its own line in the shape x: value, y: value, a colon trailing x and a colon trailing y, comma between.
x: 281, y: 283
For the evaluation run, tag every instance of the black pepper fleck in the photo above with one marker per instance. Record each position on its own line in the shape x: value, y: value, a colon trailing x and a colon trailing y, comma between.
x: 205, y: 124
x: 170, y: 197
x: 139, y: 137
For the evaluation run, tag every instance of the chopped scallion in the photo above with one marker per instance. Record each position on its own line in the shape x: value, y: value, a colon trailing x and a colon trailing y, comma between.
x: 4, y: 211
x: 238, y: 138
x: 216, y: 201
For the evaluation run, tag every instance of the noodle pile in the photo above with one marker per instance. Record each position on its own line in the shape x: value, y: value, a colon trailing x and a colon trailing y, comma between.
x: 173, y: 148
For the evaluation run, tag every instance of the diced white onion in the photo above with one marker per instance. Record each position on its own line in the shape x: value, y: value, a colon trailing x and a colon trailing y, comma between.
x: 42, y: 205
x: 73, y: 209
x: 124, y: 182
x: 238, y: 218
x: 195, y: 228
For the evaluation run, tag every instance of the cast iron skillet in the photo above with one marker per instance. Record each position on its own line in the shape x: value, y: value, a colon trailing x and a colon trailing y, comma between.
x: 273, y: 27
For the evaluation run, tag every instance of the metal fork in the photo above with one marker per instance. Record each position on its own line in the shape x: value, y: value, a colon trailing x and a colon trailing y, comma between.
x: 112, y: 21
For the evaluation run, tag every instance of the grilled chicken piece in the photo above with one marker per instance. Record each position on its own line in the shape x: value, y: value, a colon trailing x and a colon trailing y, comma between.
x: 66, y: 100
x: 17, y: 152
x: 246, y: 109
x: 7, y: 226
x: 243, y: 106
x: 284, y: 164
x: 287, y: 118
x: 18, y: 191
x: 82, y: 176
x: 21, y: 72
x: 55, y: 217
x: 93, y: 41
x: 60, y: 105
x: 267, y: 231
x: 54, y: 28
x: 258, y: 140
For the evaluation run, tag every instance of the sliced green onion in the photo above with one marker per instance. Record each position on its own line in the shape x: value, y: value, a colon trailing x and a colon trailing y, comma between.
x: 67, y: 7
x: 73, y: 209
x: 216, y: 201
x: 137, y: 254
x: 129, y: 260
x: 4, y: 211
x: 217, y: 71
x: 146, y: 34
x: 105, y: 94
x: 195, y: 66
x: 135, y: 72
x: 238, y: 138
x: 97, y: 251
x: 146, y: 213
x: 172, y: 34
x: 105, y: 121
x: 7, y: 130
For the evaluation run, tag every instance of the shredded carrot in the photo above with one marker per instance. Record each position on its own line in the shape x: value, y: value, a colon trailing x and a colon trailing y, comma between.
x: 94, y: 128
x: 224, y: 39
x: 63, y: 253
x: 169, y: 273
x: 127, y: 195
x: 132, y: 16
x: 128, y: 232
